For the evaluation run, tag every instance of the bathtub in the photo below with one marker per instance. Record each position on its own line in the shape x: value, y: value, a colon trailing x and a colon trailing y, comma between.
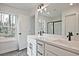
x: 8, y: 44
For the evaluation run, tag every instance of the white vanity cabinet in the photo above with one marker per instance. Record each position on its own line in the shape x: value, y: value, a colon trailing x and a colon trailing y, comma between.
x: 56, y: 51
x: 38, y: 47
x: 31, y: 46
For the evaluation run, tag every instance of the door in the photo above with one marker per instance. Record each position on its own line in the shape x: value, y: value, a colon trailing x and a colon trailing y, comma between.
x: 33, y: 52
x: 71, y: 24
x: 22, y: 40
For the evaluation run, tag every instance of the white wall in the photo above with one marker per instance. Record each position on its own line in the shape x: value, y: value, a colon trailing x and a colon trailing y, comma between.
x: 32, y: 25
x: 23, y: 24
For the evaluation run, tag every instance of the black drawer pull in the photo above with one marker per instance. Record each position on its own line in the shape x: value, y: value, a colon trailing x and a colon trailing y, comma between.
x: 30, y: 46
x: 39, y: 53
x: 39, y: 44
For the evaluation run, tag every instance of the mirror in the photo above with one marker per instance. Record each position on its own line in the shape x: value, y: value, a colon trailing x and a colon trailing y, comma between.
x: 58, y: 18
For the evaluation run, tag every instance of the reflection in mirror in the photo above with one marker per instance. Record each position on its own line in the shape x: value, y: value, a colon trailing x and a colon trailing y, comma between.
x: 58, y: 27
x: 50, y: 28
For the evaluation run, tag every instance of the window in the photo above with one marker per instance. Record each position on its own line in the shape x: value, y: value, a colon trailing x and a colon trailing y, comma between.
x: 7, y: 25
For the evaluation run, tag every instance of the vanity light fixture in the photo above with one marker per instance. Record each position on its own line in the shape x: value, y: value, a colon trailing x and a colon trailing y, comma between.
x: 41, y: 7
x: 38, y: 10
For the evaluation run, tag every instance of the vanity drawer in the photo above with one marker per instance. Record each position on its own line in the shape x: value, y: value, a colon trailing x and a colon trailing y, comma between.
x: 39, y: 43
x: 40, y: 47
x: 48, y: 53
x: 39, y: 53
x: 59, y: 51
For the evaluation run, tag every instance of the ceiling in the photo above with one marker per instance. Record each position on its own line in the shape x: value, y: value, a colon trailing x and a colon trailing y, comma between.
x: 54, y: 9
x: 23, y: 6
x: 28, y: 7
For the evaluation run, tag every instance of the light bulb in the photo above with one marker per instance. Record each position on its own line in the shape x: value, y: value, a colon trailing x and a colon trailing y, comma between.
x: 38, y: 10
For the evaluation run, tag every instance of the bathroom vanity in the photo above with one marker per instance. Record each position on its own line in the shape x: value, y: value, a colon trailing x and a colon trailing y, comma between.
x: 54, y: 45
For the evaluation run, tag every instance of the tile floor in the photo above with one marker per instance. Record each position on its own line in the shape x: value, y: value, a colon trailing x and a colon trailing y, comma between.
x: 16, y: 53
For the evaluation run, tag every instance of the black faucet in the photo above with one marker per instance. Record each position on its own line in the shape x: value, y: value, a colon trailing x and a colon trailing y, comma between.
x: 69, y: 35
x: 41, y: 32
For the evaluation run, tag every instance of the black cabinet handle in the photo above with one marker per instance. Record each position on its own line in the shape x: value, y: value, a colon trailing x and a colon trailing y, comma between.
x: 30, y: 46
x: 39, y: 53
x: 39, y: 44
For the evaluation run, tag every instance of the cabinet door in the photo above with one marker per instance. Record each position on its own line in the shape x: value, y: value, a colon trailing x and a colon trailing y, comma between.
x: 28, y: 46
x: 71, y: 23
x: 33, y: 47
x: 47, y: 53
